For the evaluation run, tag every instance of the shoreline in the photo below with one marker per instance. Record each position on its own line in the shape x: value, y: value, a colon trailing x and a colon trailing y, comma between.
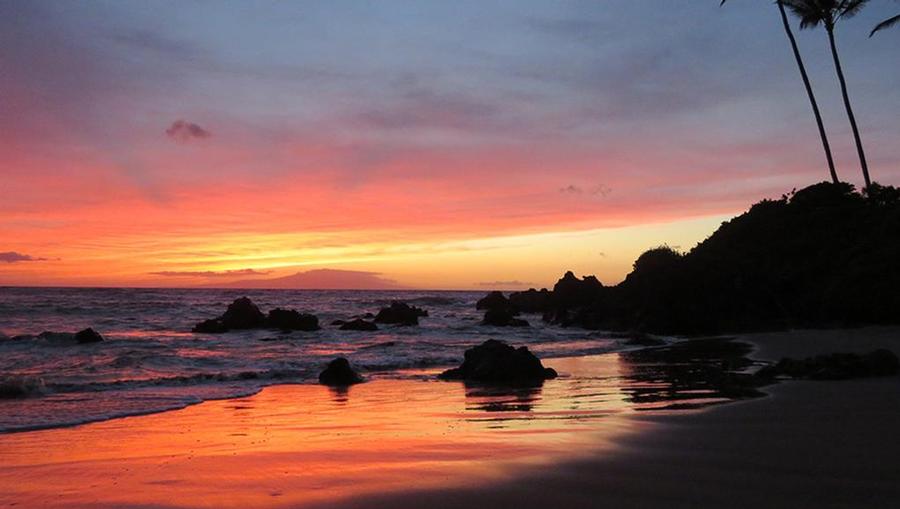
x: 413, y: 443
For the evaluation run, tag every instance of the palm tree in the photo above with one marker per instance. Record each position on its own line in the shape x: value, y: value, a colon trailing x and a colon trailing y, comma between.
x: 809, y: 90
x: 885, y: 24
x: 813, y: 13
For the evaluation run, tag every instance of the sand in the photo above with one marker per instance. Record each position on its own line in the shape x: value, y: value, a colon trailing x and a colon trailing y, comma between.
x: 810, y: 444
x: 428, y: 444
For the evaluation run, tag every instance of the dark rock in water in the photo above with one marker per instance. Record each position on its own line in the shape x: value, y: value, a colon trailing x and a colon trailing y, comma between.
x: 289, y: 319
x: 359, y: 324
x: 400, y: 313
x: 531, y: 301
x: 241, y: 314
x: 339, y: 373
x: 497, y: 362
x: 368, y: 316
x: 54, y: 336
x: 836, y: 366
x: 88, y: 336
x: 211, y: 326
x: 338, y: 322
x: 502, y: 318
x: 20, y: 387
x: 493, y: 300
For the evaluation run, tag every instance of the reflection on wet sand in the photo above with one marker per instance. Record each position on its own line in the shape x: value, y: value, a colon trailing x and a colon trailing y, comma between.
x: 301, y: 444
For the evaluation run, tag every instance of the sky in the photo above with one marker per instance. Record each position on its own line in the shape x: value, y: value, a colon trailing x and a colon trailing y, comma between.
x: 426, y: 144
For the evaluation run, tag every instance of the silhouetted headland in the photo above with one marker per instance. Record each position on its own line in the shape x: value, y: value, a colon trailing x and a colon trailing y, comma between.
x: 823, y: 256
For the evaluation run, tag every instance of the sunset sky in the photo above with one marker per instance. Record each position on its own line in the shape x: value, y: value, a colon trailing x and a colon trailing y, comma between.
x: 430, y: 144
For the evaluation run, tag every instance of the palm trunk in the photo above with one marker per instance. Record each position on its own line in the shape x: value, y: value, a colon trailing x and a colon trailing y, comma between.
x: 837, y: 65
x: 809, y: 91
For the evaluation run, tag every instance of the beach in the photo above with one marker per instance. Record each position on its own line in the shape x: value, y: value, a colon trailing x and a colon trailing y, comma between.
x: 418, y: 443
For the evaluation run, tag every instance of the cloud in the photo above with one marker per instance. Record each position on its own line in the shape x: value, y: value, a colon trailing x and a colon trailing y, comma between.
x: 211, y: 273
x: 184, y: 131
x: 14, y: 257
x: 598, y: 190
x: 499, y: 284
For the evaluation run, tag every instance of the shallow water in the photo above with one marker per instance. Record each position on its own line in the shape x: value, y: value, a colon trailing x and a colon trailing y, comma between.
x: 293, y: 446
x: 151, y: 361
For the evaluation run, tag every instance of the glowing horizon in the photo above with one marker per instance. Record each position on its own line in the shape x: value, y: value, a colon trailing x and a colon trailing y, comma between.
x: 186, y: 144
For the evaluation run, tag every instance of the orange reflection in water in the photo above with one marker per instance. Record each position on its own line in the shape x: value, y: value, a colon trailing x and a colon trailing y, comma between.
x: 290, y: 445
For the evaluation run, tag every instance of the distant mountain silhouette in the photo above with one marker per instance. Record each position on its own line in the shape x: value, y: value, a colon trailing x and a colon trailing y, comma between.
x: 318, y: 279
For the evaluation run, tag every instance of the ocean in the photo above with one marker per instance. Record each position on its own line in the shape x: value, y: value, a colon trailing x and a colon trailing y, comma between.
x: 150, y: 360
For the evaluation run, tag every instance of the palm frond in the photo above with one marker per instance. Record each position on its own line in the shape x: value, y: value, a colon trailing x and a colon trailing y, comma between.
x: 888, y: 23
x: 850, y: 8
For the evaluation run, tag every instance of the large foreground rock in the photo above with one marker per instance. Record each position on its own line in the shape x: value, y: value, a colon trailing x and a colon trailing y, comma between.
x: 289, y: 319
x: 400, y: 313
x: 497, y: 362
x: 339, y: 374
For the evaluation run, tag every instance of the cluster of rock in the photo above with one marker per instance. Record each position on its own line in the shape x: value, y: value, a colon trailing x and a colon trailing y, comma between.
x: 244, y: 314
x: 836, y: 366
x: 400, y: 313
x: 569, y: 303
x: 499, y: 312
x: 492, y: 362
x: 81, y: 337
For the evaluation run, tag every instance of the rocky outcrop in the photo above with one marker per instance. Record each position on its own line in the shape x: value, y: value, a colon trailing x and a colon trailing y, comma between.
x: 836, y: 366
x: 244, y: 314
x: 493, y: 300
x: 289, y: 319
x: 502, y: 318
x: 400, y: 313
x: 497, y: 362
x: 88, y: 336
x: 531, y: 301
x: 339, y: 373
x: 358, y: 324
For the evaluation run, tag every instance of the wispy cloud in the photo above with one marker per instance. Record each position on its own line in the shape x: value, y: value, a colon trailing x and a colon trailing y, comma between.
x: 211, y: 273
x: 500, y: 284
x: 14, y: 257
x: 598, y: 190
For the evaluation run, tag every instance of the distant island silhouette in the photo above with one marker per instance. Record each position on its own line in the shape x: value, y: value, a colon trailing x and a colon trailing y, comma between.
x: 316, y: 279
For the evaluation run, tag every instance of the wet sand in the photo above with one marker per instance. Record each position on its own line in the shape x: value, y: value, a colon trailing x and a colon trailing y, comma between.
x: 580, y: 441
x: 809, y: 444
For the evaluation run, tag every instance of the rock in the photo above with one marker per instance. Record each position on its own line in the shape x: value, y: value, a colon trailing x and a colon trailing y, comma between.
x: 493, y: 300
x: 359, y: 324
x: 338, y: 322
x: 211, y: 326
x: 502, y: 318
x: 572, y: 292
x: 836, y: 366
x: 400, y: 313
x: 20, y: 387
x: 88, y: 336
x: 531, y: 301
x: 497, y: 362
x: 339, y: 373
x: 241, y: 314
x: 289, y: 319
